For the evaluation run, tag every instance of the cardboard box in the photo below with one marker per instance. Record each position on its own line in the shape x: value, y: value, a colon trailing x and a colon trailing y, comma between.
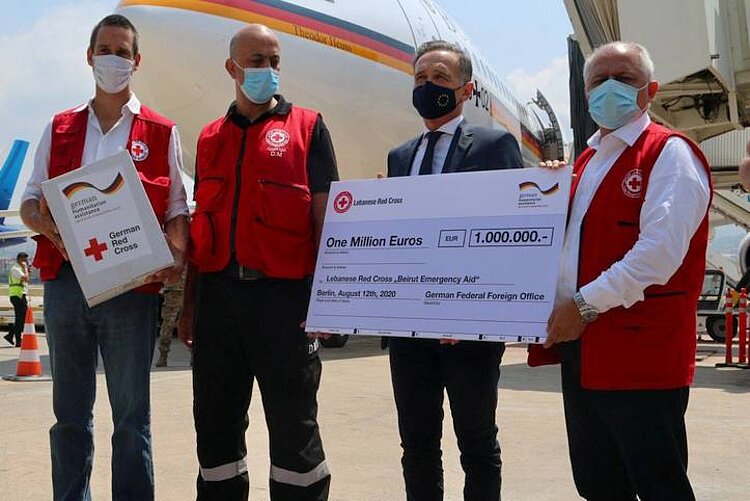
x: 108, y: 226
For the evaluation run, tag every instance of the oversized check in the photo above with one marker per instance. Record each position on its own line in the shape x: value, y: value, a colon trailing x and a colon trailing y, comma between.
x: 463, y: 256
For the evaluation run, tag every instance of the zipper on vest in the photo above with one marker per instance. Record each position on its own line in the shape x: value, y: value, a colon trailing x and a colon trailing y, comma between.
x: 213, y: 233
x: 282, y: 185
x: 237, y: 188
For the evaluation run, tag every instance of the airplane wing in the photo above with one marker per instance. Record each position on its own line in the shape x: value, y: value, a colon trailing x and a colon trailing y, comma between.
x: 20, y: 233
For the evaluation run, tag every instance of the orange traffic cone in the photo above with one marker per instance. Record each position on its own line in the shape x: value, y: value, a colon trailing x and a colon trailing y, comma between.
x: 29, y: 366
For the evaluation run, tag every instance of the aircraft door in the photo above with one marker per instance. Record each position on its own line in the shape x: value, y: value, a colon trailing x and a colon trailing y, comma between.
x: 422, y: 25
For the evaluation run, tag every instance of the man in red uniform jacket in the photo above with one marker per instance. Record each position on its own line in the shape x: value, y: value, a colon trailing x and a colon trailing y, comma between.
x: 262, y: 178
x: 631, y: 270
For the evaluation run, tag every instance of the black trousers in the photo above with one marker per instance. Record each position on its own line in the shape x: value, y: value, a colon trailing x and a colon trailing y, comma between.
x: 20, y: 305
x: 625, y: 444
x: 250, y: 331
x: 421, y: 370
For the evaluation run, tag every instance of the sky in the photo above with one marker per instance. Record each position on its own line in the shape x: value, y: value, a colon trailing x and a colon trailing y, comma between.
x: 43, y: 45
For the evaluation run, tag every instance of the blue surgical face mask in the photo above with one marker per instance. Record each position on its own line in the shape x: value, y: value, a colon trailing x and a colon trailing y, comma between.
x: 260, y: 84
x: 613, y: 104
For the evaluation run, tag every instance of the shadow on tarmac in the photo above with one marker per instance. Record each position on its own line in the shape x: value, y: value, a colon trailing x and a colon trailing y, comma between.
x: 513, y: 376
x: 356, y: 347
x: 729, y: 380
x: 520, y: 377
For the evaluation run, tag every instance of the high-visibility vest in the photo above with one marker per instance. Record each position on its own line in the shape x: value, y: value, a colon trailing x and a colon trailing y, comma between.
x: 16, y: 287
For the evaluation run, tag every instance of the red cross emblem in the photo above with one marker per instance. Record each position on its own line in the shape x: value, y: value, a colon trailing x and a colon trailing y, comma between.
x: 277, y: 138
x: 343, y: 202
x: 138, y: 150
x: 95, y: 249
x: 632, y: 184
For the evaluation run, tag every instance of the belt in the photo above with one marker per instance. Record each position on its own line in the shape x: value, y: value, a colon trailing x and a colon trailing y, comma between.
x: 245, y: 273
x: 236, y: 271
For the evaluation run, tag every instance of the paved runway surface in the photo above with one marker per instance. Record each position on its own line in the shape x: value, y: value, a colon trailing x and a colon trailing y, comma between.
x: 358, y: 424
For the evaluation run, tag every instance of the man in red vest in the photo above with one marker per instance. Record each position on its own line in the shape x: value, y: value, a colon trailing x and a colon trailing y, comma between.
x: 262, y: 179
x: 631, y: 271
x: 122, y: 329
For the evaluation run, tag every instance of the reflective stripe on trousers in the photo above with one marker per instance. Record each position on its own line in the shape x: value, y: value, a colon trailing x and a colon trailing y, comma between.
x: 224, y: 471
x: 300, y: 479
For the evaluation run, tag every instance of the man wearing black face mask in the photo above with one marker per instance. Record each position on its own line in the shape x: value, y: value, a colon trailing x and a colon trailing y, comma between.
x: 422, y: 369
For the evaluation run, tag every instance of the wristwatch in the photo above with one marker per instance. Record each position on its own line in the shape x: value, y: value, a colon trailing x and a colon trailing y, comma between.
x: 588, y: 313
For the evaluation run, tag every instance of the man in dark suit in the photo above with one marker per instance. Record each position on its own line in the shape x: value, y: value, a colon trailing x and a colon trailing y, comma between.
x: 422, y: 369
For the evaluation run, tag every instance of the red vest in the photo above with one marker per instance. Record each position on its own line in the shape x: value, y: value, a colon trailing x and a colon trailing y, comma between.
x: 269, y: 188
x: 149, y: 129
x: 650, y: 345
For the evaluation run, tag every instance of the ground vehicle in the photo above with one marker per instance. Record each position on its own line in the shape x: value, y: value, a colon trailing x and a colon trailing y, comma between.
x: 711, y: 304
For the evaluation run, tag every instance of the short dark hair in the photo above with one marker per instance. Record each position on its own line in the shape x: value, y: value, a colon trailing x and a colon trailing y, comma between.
x: 118, y: 21
x: 20, y: 255
x: 464, y: 61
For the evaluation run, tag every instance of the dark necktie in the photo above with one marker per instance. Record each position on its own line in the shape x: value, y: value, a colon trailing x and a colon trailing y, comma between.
x: 429, y: 154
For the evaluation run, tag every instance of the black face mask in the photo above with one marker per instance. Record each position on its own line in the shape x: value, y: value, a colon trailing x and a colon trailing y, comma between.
x: 433, y: 101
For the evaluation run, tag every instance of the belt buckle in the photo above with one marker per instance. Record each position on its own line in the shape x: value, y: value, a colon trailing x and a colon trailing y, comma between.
x: 249, y: 273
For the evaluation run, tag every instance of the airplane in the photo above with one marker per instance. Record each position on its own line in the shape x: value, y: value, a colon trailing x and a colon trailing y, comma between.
x: 11, y: 235
x: 347, y: 58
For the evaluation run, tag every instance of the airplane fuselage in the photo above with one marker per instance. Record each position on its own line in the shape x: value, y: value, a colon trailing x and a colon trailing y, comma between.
x: 349, y: 59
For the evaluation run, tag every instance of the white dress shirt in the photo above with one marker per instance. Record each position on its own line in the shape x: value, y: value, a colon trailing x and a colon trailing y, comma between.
x: 441, y: 147
x: 99, y: 145
x: 675, y: 203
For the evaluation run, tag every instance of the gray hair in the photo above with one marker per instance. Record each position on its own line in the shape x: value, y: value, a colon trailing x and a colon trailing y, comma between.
x: 644, y: 58
x: 464, y: 61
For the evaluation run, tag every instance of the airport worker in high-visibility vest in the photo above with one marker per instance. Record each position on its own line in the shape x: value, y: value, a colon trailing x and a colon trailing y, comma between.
x: 122, y: 329
x: 632, y: 267
x: 264, y: 170
x: 18, y: 285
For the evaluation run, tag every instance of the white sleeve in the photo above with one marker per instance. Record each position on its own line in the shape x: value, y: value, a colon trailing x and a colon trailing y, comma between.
x: 177, y: 205
x: 16, y: 273
x: 40, y: 173
x: 676, y: 202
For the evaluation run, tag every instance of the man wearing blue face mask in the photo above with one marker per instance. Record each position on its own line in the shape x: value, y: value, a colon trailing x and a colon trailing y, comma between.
x: 263, y: 172
x: 624, y: 324
x: 422, y: 370
x: 122, y: 329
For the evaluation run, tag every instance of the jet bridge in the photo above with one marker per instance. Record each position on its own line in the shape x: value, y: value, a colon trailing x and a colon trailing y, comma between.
x: 701, y: 54
x: 700, y: 48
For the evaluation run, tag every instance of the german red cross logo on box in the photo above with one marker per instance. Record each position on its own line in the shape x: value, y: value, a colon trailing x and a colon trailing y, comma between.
x: 95, y: 249
x: 139, y: 151
x: 632, y: 184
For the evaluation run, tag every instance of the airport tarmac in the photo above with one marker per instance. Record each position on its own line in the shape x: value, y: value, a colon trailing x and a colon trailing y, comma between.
x: 358, y: 423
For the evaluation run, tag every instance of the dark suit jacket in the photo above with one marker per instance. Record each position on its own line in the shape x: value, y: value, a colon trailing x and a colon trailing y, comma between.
x: 472, y: 149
